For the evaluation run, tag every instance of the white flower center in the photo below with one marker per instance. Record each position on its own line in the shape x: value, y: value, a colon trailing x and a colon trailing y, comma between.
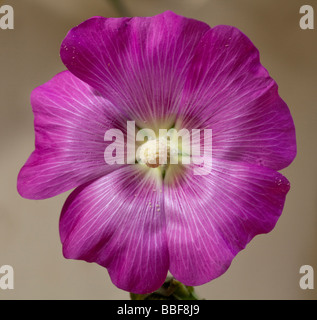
x: 158, y: 152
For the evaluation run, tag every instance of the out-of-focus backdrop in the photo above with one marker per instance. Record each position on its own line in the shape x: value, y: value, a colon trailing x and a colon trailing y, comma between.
x: 29, y: 239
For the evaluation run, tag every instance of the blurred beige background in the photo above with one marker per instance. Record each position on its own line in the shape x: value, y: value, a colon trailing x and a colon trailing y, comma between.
x: 29, y: 239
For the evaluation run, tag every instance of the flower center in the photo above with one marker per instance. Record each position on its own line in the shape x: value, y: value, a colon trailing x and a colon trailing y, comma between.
x: 157, y: 152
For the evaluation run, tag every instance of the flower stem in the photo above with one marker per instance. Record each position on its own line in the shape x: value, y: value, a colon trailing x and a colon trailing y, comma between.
x: 170, y: 290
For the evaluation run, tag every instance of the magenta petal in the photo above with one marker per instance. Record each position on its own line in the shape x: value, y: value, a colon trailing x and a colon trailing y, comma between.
x: 229, y: 91
x: 70, y: 123
x: 211, y: 218
x: 139, y: 64
x: 118, y: 222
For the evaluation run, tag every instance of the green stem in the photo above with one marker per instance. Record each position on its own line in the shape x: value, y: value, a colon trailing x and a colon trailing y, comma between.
x: 170, y: 290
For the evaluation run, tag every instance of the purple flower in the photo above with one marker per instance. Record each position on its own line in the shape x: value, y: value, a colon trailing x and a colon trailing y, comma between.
x: 161, y: 72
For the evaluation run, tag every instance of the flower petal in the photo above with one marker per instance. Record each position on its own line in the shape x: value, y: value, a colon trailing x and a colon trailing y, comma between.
x: 210, y: 218
x: 118, y: 221
x: 138, y: 63
x: 70, y: 123
x: 230, y: 92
